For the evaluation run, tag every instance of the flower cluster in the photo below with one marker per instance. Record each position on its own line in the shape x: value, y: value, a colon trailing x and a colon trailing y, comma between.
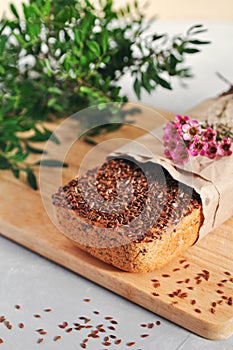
x: 184, y: 137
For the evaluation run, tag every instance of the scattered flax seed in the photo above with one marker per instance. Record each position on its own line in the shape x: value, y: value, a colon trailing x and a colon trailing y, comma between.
x: 158, y: 323
x: 37, y: 316
x: 212, y: 310
x: 154, y: 280
x: 83, y: 345
x: 219, y: 302
x: 96, y: 312
x: 220, y: 284
x: 21, y: 325
x: 68, y: 330
x: 111, y: 328
x: 231, y: 279
x: 179, y: 282
x: 108, y: 318
x: 155, y: 294
x: 47, y: 310
x: 118, y: 341
x: 187, y: 280
x: 43, y: 332
x: 40, y: 340
x: 230, y: 301
x: 8, y: 325
x: 144, y: 325
x: 56, y: 338
x: 151, y: 325
x: 114, y: 322
x: 176, y: 269
x: 198, y: 311
x: 227, y: 273
x: 186, y: 266
x: 156, y: 285
x: 182, y: 261
x: 63, y: 325
x: 87, y: 300
x: 219, y: 291
x: 193, y: 302
x: 2, y: 319
x: 214, y: 304
x: 191, y: 288
x: 112, y: 336
x: 107, y: 343
x: 144, y: 335
x: 166, y: 275
x: 1, y: 341
x: 132, y: 343
x: 224, y: 297
x: 17, y: 307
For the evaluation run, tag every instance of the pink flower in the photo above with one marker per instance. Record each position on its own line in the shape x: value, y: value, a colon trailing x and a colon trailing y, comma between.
x: 209, y: 134
x: 180, y: 154
x: 224, y: 147
x: 171, y: 134
x: 212, y: 150
x: 198, y: 147
x: 180, y: 120
x: 191, y: 130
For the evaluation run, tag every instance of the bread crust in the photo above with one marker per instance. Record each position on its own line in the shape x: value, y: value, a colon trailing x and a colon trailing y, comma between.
x: 167, y: 224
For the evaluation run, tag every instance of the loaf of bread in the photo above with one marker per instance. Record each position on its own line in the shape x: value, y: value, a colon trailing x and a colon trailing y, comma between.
x: 135, y: 218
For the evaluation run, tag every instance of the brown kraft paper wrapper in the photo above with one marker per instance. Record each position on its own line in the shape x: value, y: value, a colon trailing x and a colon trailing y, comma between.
x: 212, y: 179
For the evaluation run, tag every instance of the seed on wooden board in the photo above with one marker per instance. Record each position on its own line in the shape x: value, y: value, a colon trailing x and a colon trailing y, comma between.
x: 156, y: 285
x: 155, y: 294
x: 197, y: 310
x: 182, y: 261
x: 176, y: 269
x: 186, y: 266
x: 193, y: 302
x: 219, y: 291
x: 212, y: 310
x: 227, y: 273
x: 166, y: 275
x: 214, y: 304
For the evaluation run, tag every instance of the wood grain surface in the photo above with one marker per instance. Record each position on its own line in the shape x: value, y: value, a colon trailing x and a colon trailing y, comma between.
x: 194, y: 291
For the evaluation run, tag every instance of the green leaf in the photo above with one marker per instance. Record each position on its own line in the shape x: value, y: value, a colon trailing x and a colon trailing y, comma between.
x: 34, y: 150
x: 137, y: 88
x: 4, y: 163
x: 194, y: 27
x: 53, y: 163
x: 105, y: 38
x: 199, y: 42
x: 14, y: 11
x: 31, y: 179
x: 94, y: 47
x: 55, y: 90
x: 190, y: 50
x: 164, y: 83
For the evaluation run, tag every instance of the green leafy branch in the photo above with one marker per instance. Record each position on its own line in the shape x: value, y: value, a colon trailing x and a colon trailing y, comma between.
x: 64, y: 56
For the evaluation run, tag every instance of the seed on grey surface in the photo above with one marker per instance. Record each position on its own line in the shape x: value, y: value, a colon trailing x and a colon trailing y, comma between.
x: 56, y: 338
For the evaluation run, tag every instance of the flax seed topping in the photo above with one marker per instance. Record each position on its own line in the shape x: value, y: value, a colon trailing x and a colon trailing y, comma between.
x: 121, y: 195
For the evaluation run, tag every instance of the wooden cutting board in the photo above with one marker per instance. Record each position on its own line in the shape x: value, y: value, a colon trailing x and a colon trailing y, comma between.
x: 195, y: 290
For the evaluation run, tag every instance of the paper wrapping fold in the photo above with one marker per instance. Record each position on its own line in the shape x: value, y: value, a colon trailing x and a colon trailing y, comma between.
x: 212, y: 179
